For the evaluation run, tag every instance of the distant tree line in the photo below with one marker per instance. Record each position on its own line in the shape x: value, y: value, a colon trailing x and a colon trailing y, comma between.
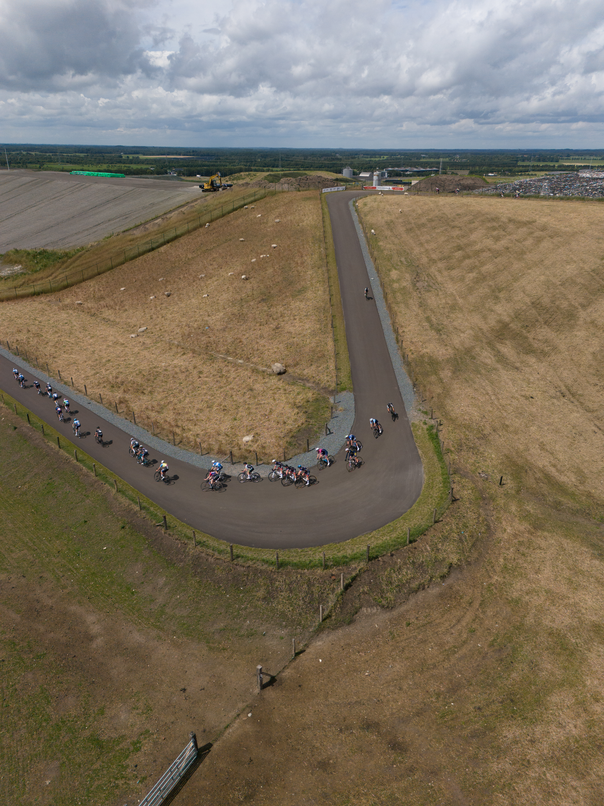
x: 158, y: 161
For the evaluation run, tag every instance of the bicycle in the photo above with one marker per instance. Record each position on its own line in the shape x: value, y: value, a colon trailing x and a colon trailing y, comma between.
x: 288, y: 477
x: 353, y: 463
x: 159, y: 477
x: 254, y: 477
x: 301, y: 481
x: 377, y: 430
x: 145, y: 460
x: 216, y: 485
x: 98, y: 437
x: 392, y: 412
x: 60, y: 416
x: 76, y: 431
x: 322, y: 462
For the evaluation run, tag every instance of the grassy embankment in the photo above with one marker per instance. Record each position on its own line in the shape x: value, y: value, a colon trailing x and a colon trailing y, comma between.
x: 54, y: 270
x: 199, y: 369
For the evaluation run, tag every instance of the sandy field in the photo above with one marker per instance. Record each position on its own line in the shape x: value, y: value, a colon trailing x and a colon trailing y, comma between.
x: 60, y: 211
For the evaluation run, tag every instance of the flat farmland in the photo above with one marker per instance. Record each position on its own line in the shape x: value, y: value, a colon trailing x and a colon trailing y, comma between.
x: 60, y: 211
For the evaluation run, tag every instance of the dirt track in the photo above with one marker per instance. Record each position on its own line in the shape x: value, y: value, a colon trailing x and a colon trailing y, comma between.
x: 59, y: 211
x: 343, y: 505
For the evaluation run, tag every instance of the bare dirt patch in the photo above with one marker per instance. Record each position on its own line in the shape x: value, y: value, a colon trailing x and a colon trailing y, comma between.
x: 196, y: 307
x: 448, y: 184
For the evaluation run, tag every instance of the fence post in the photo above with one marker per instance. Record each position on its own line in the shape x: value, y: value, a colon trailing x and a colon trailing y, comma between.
x: 94, y: 468
x: 231, y: 457
x: 116, y: 411
x: 101, y: 398
x: 342, y: 581
x: 43, y: 434
x: 293, y: 647
x: 59, y: 371
x: 27, y: 415
x: 165, y: 524
x: 115, y: 482
x: 231, y: 549
x: 434, y: 518
x: 277, y: 559
x: 194, y: 539
x: 58, y: 442
x: 320, y: 613
x: 408, y: 534
x: 85, y: 390
x: 75, y: 453
x: 259, y: 676
x: 368, y: 547
x: 134, y: 417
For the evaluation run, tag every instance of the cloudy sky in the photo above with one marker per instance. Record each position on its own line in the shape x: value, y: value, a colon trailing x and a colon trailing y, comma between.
x: 303, y: 73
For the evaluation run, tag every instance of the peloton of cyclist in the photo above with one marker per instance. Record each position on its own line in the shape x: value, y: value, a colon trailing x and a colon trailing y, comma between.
x: 163, y: 469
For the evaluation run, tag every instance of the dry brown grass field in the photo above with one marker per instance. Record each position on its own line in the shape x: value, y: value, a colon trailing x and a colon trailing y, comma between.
x: 172, y: 374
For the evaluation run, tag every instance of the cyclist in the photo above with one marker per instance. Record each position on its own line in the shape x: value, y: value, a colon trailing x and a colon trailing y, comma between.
x: 76, y: 427
x: 248, y: 470
x: 163, y: 469
x: 217, y: 467
x: 55, y: 397
x: 98, y: 434
x: 66, y: 404
x: 142, y: 455
x: 366, y: 293
x: 59, y: 411
x: 279, y: 468
x: 375, y: 426
x: 21, y: 380
x: 37, y: 385
x: 212, y: 477
x: 391, y: 411
x: 15, y: 373
x: 322, y: 454
x: 303, y: 473
x: 133, y: 446
x: 49, y: 390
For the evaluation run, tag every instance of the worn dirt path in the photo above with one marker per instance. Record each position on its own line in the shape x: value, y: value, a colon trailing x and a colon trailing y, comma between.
x: 342, y: 505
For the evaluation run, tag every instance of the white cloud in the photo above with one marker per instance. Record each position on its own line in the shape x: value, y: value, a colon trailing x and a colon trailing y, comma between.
x: 467, y: 72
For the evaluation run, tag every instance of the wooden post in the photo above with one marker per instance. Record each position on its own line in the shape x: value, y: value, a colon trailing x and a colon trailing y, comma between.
x: 342, y: 581
x: 259, y: 676
x: 256, y: 454
x: 501, y: 481
x: 94, y: 468
x: 194, y: 539
x: 42, y: 426
x: 165, y: 524
x: 231, y: 457
x: 101, y: 398
x: 75, y: 453
x: 434, y: 518
x: 27, y: 415
x: 408, y: 534
x: 277, y: 559
x: 59, y: 371
x: 116, y: 411
x: 324, y: 561
x: 326, y: 429
x: 140, y: 506
x: 293, y: 647
x: 85, y: 390
x: 47, y: 370
x: 115, y: 482
x: 200, y: 451
x: 58, y: 442
x: 307, y: 445
x: 231, y: 548
x: 15, y: 408
x: 367, y: 553
x: 320, y: 613
x: 72, y: 381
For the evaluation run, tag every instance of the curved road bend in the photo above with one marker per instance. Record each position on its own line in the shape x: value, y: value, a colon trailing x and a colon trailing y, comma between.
x: 343, y: 505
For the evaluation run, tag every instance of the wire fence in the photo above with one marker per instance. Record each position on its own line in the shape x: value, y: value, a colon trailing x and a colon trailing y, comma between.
x: 74, y: 276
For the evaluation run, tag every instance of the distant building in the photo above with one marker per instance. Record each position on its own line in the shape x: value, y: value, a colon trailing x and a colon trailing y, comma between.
x: 347, y: 172
x: 365, y: 175
x: 376, y: 179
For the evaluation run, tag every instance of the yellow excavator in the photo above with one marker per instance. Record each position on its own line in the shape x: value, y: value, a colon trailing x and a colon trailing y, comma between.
x: 215, y: 183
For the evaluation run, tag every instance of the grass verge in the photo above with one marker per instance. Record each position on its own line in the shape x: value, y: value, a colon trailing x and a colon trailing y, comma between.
x: 343, y: 375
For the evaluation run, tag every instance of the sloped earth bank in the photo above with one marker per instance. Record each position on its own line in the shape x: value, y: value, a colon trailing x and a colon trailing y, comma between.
x: 180, y: 338
x: 485, y: 688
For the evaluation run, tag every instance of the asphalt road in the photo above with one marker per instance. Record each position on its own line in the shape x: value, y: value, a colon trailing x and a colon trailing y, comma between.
x: 267, y: 515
